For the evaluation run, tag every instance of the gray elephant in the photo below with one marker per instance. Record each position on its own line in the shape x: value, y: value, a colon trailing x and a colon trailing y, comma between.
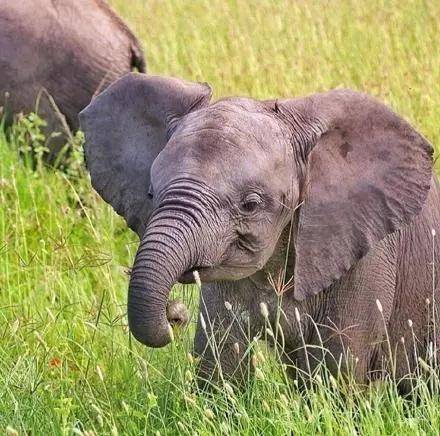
x: 60, y: 53
x: 330, y: 199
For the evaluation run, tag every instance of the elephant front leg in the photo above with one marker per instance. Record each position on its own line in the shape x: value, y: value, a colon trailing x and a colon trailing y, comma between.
x: 225, y: 330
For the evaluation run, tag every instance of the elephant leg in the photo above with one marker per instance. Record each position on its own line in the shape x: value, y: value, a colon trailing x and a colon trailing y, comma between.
x: 226, y: 327
x: 344, y: 327
x: 57, y: 130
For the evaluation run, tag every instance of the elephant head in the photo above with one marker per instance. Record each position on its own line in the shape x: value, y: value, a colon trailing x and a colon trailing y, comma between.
x: 212, y: 186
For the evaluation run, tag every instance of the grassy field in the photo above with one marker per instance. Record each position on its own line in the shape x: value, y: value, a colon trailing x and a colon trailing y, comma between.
x: 67, y: 364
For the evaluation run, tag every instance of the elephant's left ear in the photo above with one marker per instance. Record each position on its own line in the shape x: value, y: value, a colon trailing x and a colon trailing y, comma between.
x: 367, y: 172
x: 125, y: 128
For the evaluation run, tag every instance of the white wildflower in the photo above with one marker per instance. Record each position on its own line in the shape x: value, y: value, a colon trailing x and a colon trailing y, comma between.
x: 228, y: 305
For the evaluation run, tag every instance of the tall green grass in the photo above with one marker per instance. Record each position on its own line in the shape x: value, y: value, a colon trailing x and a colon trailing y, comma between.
x: 67, y: 364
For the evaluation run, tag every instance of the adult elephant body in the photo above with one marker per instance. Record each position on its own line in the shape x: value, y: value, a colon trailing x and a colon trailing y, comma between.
x: 329, y: 200
x: 60, y: 53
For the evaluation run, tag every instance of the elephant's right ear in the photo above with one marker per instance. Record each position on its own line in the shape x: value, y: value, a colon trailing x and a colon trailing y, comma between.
x: 125, y: 128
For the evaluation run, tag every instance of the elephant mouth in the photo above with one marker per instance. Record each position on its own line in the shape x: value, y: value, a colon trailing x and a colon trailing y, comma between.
x: 188, y: 276
x: 209, y: 274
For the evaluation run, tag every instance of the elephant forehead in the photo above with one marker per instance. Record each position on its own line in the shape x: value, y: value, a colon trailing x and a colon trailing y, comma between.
x: 222, y: 152
x: 235, y: 122
x: 227, y: 145
x: 213, y: 155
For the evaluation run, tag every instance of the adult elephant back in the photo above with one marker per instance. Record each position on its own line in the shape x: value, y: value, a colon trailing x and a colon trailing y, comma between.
x: 59, y: 54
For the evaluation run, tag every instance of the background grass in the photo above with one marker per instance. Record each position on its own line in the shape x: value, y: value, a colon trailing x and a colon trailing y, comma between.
x: 66, y: 360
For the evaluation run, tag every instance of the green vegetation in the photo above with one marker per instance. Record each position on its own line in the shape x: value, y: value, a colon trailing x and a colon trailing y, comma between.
x: 67, y: 364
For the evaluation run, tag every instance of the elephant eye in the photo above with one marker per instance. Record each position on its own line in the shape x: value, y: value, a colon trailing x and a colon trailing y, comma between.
x: 251, y: 202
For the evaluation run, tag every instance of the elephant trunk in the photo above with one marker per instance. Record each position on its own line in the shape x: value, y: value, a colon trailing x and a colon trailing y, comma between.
x: 164, y: 255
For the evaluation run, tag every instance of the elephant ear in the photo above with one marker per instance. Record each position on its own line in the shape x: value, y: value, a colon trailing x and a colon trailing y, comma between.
x: 125, y: 128
x: 366, y: 173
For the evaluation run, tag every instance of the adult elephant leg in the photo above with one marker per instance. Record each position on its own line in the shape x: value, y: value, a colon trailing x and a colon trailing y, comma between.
x: 228, y: 321
x: 57, y: 131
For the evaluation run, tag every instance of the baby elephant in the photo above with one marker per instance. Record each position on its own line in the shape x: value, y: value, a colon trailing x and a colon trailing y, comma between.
x: 59, y: 54
x: 329, y: 199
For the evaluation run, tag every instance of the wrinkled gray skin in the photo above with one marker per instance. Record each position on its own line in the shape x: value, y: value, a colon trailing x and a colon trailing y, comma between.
x: 70, y: 49
x: 335, y: 183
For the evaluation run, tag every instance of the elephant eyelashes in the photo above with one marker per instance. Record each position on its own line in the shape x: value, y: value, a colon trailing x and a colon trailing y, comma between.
x: 251, y: 203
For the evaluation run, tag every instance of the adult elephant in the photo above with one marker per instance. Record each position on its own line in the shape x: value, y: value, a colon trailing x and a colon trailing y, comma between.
x: 332, y: 192
x: 58, y: 54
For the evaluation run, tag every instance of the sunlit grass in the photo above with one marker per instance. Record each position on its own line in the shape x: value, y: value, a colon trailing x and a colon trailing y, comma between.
x: 66, y: 359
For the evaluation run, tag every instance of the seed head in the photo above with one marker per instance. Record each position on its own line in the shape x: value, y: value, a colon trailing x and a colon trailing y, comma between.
x: 318, y: 379
x: 209, y: 413
x: 190, y: 400
x: 254, y: 361
x: 433, y: 232
x: 100, y: 420
x: 424, y: 365
x: 333, y: 382
x: 297, y: 315
x: 266, y: 406
x: 171, y: 332
x: 229, y: 390
x: 10, y: 431
x: 410, y: 323
x: 260, y: 357
x: 197, y: 278
x: 228, y: 305
x: 284, y: 400
x: 236, y: 347
x: 259, y: 374
x: 190, y: 358
x: 202, y: 321
x: 379, y: 306
x: 264, y: 310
